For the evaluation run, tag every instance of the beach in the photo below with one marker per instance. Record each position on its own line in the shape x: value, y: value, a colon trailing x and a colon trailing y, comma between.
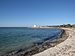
x: 65, y: 48
x: 64, y: 45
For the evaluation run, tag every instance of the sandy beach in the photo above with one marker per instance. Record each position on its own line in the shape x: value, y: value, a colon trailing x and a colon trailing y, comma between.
x: 66, y: 48
x: 63, y: 46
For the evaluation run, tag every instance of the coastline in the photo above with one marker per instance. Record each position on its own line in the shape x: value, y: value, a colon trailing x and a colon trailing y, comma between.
x: 65, y: 48
x: 38, y: 49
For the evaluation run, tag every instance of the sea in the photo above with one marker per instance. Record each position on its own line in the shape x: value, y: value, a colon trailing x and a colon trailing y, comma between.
x: 13, y: 38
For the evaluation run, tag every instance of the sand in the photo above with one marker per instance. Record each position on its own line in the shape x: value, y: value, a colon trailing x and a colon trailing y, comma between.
x: 65, y: 48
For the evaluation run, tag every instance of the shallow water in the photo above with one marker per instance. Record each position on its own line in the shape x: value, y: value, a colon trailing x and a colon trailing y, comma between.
x: 13, y: 38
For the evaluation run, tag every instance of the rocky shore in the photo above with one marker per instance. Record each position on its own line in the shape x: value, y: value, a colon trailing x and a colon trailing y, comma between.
x: 39, y: 47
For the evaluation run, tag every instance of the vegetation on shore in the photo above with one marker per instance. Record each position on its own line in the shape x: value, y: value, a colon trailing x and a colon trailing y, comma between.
x: 64, y: 25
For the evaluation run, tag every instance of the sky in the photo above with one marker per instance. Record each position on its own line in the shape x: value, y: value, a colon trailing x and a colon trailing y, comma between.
x: 23, y: 13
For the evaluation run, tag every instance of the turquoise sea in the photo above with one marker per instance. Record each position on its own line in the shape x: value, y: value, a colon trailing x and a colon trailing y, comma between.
x: 13, y: 38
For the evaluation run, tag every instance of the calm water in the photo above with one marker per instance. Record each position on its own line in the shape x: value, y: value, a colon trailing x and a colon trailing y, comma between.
x: 15, y: 38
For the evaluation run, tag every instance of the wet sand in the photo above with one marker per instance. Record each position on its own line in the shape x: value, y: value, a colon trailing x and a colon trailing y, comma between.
x: 65, y: 48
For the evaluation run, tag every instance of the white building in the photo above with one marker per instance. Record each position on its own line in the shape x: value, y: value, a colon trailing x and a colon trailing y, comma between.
x: 34, y: 26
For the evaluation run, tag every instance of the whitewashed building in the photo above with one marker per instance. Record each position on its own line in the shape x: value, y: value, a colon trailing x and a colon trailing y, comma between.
x: 34, y: 26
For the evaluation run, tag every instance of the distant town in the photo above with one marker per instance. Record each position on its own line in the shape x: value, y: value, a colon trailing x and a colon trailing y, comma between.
x: 56, y: 26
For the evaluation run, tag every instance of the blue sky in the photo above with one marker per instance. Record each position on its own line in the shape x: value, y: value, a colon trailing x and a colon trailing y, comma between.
x: 15, y: 13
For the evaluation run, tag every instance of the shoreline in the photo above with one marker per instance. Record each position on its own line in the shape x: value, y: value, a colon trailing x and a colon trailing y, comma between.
x: 39, y: 48
x: 65, y: 48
